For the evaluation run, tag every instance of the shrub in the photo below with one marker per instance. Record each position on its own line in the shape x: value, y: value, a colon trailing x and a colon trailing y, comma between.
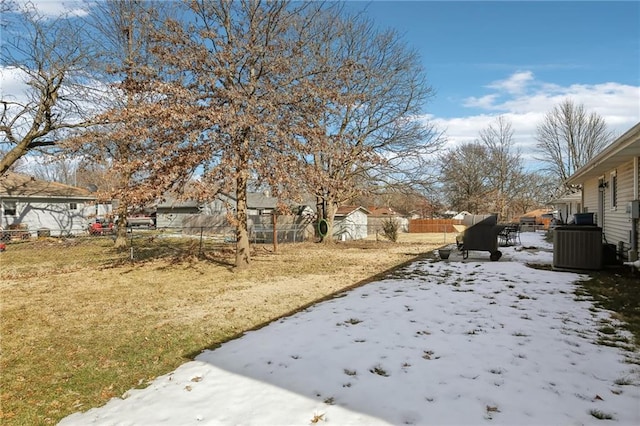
x: 390, y: 228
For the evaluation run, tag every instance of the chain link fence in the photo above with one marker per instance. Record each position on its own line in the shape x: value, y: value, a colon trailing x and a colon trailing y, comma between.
x: 146, y: 243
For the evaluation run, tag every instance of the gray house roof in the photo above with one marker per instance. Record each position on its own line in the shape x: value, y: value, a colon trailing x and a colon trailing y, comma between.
x: 258, y: 200
x: 568, y: 197
x: 18, y: 185
x: 172, y: 202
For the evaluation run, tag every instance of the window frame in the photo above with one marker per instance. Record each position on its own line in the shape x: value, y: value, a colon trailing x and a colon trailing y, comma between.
x: 5, y: 207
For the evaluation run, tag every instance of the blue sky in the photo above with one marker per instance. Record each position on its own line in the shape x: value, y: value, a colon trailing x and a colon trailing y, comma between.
x: 520, y: 59
x: 517, y: 59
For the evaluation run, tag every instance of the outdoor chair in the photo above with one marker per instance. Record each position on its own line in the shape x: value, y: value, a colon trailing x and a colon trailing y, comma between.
x: 510, y: 235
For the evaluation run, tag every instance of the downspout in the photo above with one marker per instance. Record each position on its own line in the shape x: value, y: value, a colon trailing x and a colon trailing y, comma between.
x: 633, y: 253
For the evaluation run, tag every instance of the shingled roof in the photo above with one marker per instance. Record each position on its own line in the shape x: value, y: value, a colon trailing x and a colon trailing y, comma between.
x: 19, y: 185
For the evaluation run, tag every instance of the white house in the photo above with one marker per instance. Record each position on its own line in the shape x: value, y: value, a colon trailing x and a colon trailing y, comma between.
x: 566, y: 205
x: 461, y: 215
x: 610, y: 190
x: 33, y: 204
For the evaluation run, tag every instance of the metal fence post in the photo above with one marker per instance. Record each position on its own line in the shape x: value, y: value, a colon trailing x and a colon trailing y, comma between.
x: 201, y: 232
x: 131, y: 244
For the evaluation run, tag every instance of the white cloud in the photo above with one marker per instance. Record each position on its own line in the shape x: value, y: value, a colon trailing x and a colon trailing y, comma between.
x: 55, y: 8
x: 484, y: 102
x: 524, y: 101
x: 516, y: 83
x: 14, y: 86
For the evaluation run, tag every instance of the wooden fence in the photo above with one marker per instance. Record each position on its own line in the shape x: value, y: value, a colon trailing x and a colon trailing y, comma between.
x: 433, y: 225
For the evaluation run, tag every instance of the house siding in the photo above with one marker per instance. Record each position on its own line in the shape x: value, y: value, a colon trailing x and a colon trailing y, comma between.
x: 351, y: 227
x: 590, y: 196
x: 616, y: 219
x: 616, y: 223
x: 568, y: 209
x: 173, y: 217
x: 621, y: 156
x: 53, y: 214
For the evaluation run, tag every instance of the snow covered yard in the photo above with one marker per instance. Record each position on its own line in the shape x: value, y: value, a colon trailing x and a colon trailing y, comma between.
x: 438, y: 342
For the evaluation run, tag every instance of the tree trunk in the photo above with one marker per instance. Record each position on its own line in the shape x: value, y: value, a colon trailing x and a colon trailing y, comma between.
x: 242, y: 235
x: 121, y: 230
x: 274, y: 221
x: 331, y: 209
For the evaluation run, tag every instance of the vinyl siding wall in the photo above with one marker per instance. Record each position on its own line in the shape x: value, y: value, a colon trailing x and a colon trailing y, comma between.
x: 55, y: 215
x: 590, y: 196
x: 351, y: 227
x: 616, y: 224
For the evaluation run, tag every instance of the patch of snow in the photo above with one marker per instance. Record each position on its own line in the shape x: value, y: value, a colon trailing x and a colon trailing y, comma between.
x: 437, y: 342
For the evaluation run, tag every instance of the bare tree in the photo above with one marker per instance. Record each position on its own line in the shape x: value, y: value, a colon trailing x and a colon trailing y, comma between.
x: 369, y: 135
x: 48, y: 56
x: 465, y: 174
x: 569, y: 137
x: 505, y: 174
x: 538, y: 190
x: 55, y: 168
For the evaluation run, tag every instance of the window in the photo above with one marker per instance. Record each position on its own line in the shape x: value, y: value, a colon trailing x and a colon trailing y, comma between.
x: 73, y: 206
x: 614, y: 189
x: 9, y: 208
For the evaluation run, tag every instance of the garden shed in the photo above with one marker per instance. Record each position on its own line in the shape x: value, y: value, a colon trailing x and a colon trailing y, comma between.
x: 351, y: 223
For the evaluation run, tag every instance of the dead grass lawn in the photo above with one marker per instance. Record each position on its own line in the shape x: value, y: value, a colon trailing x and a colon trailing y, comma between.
x: 80, y: 324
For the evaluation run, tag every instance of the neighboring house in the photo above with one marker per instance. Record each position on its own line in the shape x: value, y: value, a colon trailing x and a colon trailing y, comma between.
x: 461, y: 215
x: 610, y: 190
x: 567, y: 205
x: 414, y: 214
x: 27, y: 202
x: 537, y: 214
x: 350, y: 223
x: 258, y: 204
x: 175, y: 213
x: 212, y: 217
x: 171, y: 213
x: 378, y: 216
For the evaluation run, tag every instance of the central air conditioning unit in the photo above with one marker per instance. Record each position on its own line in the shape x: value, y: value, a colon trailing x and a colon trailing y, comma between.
x: 577, y: 247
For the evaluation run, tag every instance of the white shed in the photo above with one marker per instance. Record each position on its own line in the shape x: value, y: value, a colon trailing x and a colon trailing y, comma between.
x: 350, y: 223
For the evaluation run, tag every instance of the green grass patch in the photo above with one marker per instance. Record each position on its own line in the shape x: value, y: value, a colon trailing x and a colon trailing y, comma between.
x: 617, y: 290
x: 601, y: 415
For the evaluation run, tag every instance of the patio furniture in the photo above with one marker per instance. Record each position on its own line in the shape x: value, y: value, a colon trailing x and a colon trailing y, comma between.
x: 510, y: 235
x: 528, y: 224
x: 481, y: 234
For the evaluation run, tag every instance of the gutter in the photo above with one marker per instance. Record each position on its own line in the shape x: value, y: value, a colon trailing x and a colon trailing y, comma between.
x: 617, y: 145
